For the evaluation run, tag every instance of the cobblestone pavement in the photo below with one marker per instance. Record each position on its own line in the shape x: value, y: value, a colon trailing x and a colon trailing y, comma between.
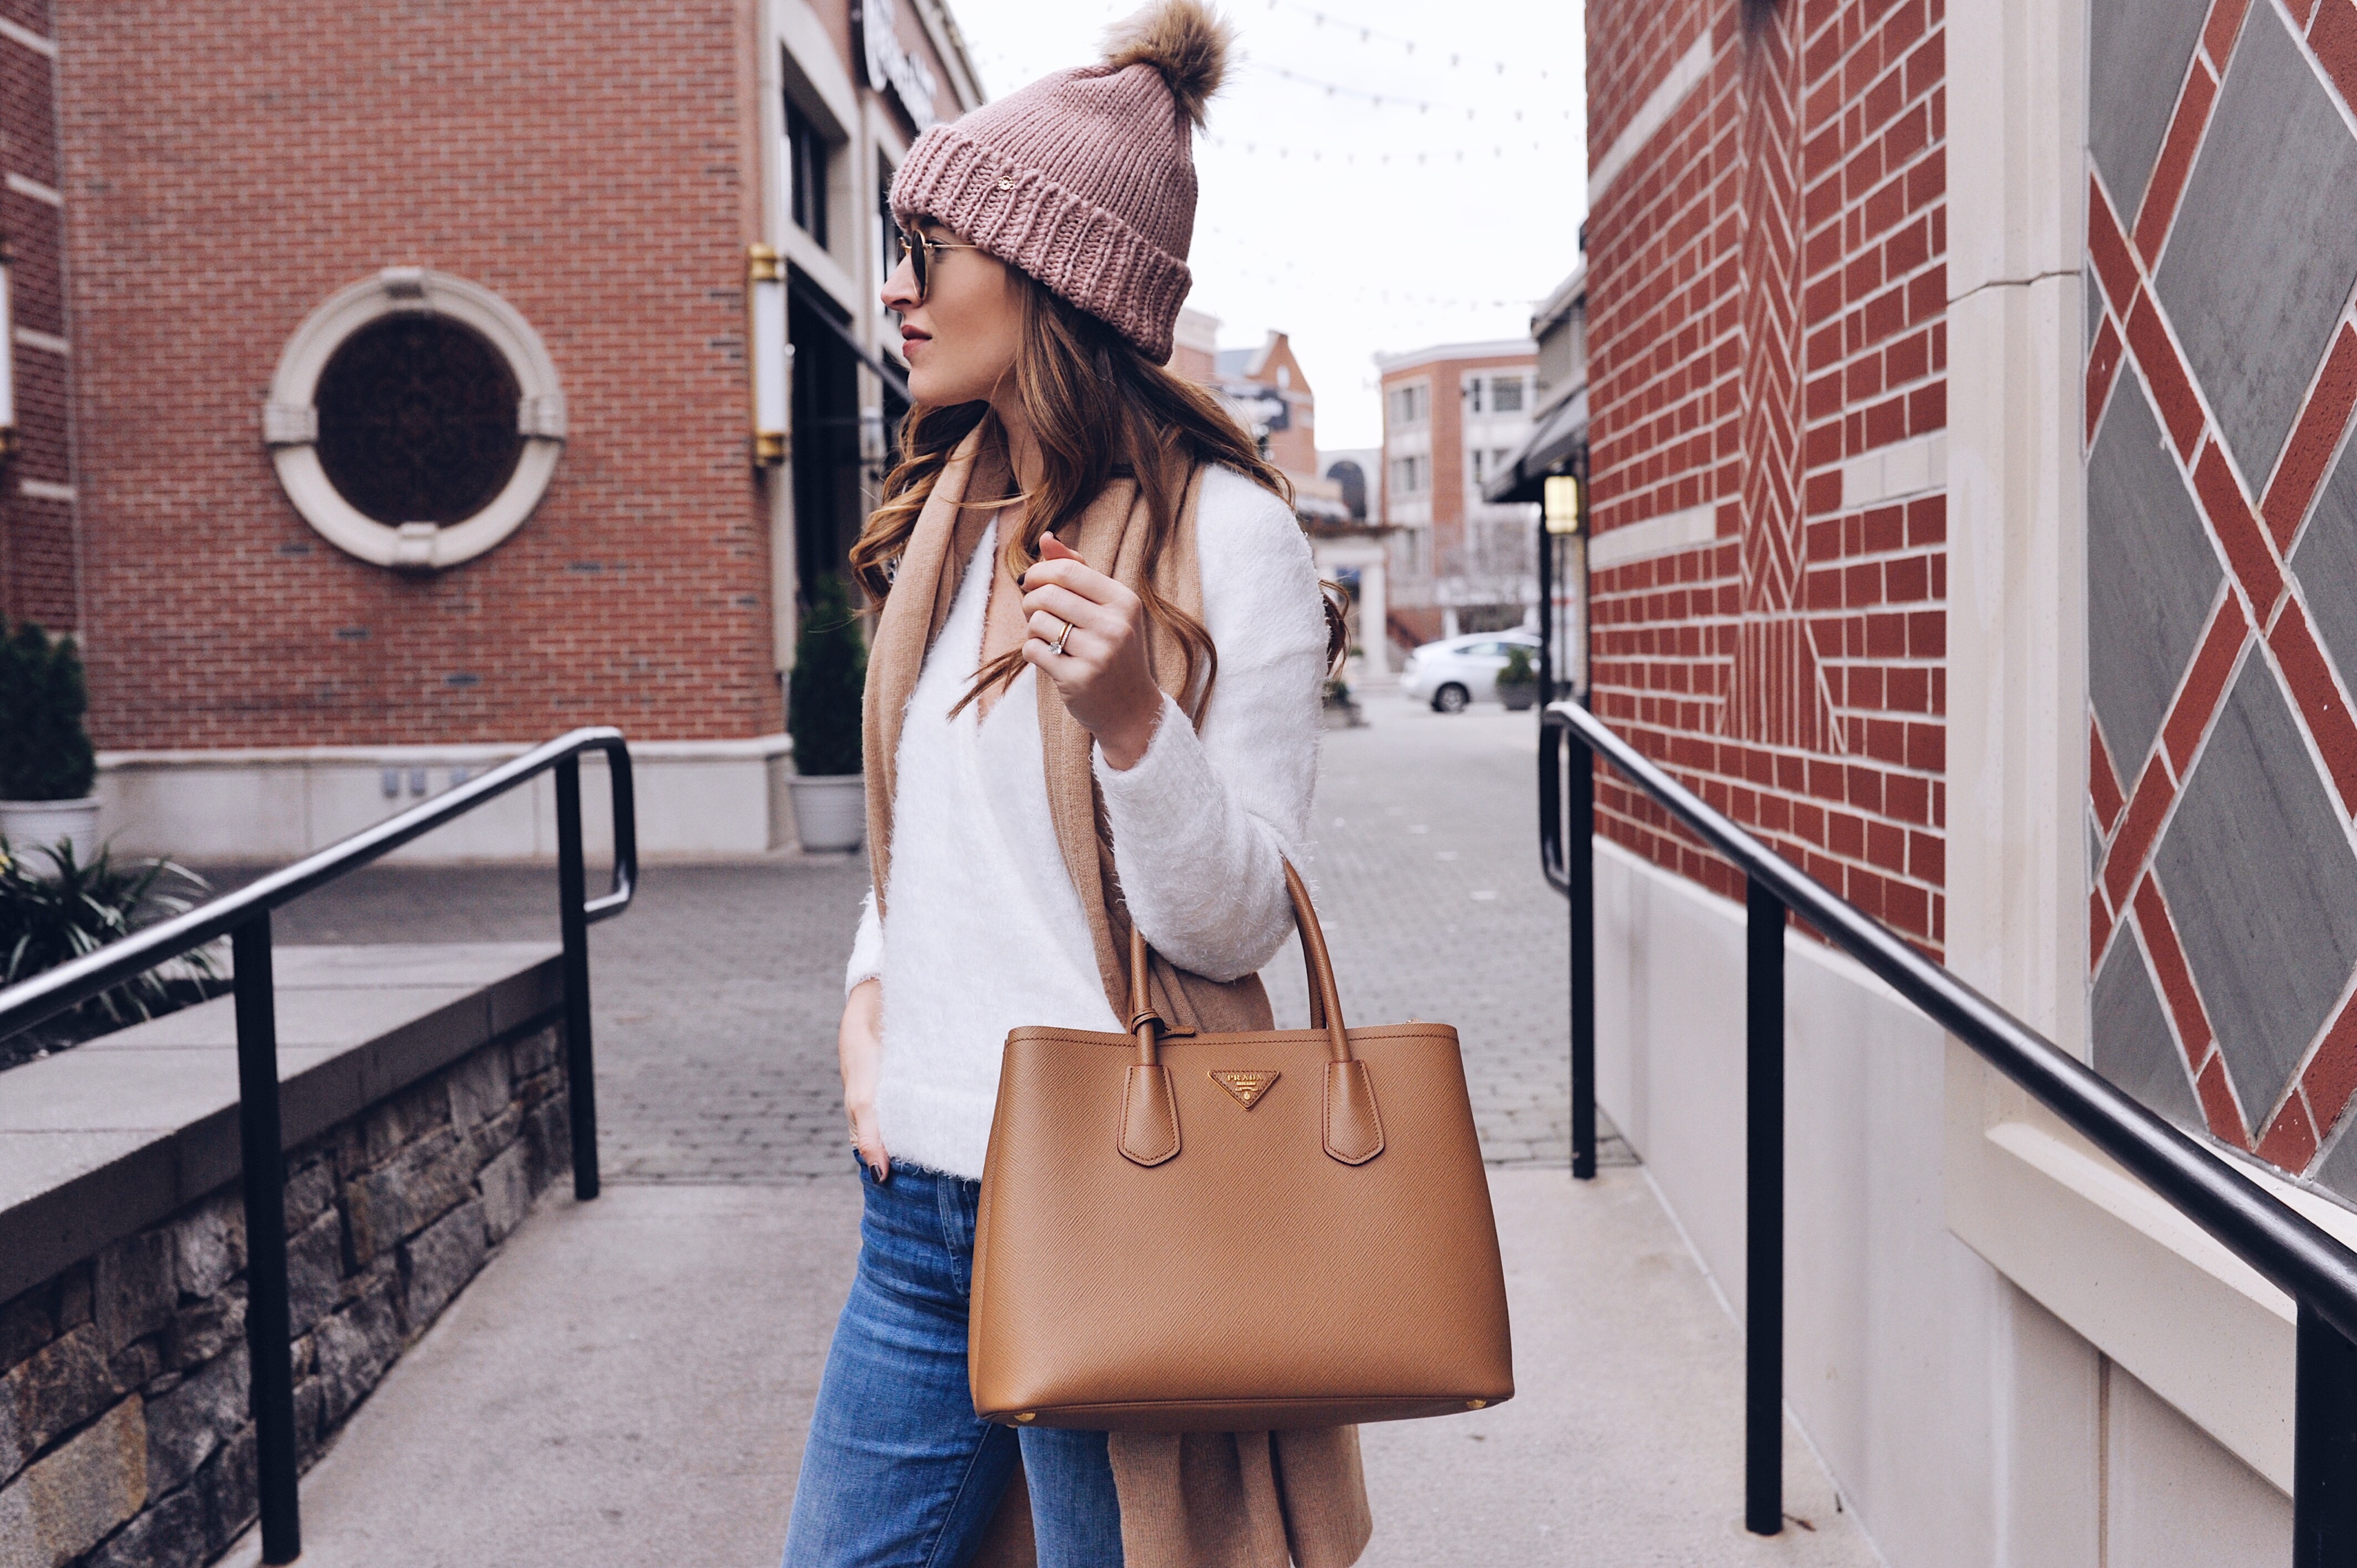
x: 715, y: 996
x: 1426, y: 875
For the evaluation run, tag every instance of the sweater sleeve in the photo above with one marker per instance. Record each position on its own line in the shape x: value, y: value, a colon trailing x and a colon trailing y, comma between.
x: 866, y: 946
x: 1203, y: 822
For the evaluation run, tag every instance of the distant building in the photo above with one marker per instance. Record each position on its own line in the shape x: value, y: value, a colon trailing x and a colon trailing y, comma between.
x: 1263, y: 387
x: 1453, y: 414
x: 1352, y: 554
x: 1195, y: 347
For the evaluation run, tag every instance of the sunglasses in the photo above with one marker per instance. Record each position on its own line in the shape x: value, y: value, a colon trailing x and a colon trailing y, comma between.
x: 919, y: 251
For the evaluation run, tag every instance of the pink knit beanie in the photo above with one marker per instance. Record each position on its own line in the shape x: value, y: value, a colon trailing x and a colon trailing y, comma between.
x: 1085, y: 179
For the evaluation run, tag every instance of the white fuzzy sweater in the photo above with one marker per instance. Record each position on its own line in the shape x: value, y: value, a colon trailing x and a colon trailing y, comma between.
x: 984, y: 931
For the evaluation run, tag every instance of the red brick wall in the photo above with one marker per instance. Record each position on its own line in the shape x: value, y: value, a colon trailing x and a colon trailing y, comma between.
x: 1766, y: 302
x: 36, y: 542
x: 229, y: 165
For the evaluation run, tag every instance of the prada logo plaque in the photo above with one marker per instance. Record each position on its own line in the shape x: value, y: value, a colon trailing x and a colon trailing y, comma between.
x: 1247, y: 1087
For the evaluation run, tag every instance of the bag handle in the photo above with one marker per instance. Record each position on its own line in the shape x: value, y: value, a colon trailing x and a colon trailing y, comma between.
x: 1352, y: 1124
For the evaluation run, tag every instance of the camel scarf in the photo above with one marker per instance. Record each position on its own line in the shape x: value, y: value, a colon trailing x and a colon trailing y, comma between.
x: 1198, y: 1501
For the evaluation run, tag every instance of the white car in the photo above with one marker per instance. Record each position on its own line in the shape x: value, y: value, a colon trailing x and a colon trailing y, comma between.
x: 1460, y: 670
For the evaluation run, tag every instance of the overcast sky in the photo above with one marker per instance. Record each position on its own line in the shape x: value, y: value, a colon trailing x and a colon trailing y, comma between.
x: 1396, y: 174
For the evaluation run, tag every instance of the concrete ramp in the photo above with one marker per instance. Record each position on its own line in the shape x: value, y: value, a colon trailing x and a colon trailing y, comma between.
x: 629, y: 1381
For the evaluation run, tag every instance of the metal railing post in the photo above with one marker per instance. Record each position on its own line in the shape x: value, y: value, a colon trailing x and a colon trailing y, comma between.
x: 263, y: 1172
x: 2324, y: 1446
x: 1579, y: 868
x: 573, y: 922
x: 1763, y: 1308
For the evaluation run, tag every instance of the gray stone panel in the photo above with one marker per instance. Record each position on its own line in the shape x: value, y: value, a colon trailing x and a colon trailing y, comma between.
x: 2094, y: 315
x: 2264, y: 248
x: 2338, y: 1170
x: 2134, y: 1045
x: 2260, y: 877
x: 2326, y: 561
x: 2152, y: 577
x: 2138, y: 52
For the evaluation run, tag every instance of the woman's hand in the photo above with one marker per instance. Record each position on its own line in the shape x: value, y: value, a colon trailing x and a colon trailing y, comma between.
x: 859, y: 1044
x: 1102, y: 672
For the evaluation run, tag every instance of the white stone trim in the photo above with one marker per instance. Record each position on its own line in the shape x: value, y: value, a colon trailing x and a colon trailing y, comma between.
x: 2121, y: 1268
x: 1895, y: 472
x: 2131, y: 1275
x: 47, y: 342
x: 49, y: 194
x: 46, y: 490
x: 1663, y: 535
x: 290, y: 422
x: 485, y: 754
x: 713, y: 800
x: 804, y: 39
x: 17, y: 33
x: 1690, y: 69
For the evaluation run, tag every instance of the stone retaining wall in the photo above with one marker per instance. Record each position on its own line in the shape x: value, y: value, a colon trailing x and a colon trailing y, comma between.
x: 125, y: 1438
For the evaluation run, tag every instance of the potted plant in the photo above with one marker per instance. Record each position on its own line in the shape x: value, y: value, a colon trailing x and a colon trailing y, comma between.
x: 47, y: 767
x: 73, y: 906
x: 829, y: 790
x: 1518, y: 683
x: 1342, y: 710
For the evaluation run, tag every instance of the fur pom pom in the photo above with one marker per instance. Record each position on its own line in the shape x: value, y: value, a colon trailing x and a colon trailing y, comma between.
x: 1185, y: 40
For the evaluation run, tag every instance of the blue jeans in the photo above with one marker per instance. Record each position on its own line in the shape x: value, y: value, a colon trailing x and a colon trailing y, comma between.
x: 900, y: 1471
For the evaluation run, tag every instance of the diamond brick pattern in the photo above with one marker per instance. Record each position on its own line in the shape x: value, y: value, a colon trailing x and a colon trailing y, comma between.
x: 2326, y: 561
x: 2152, y: 577
x: 2264, y: 886
x: 2134, y: 1045
x: 2137, y: 53
x: 2263, y: 252
x: 2223, y: 887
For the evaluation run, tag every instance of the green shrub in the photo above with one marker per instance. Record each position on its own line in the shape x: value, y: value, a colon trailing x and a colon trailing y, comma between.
x: 80, y: 907
x: 1519, y: 671
x: 45, y: 752
x: 823, y: 696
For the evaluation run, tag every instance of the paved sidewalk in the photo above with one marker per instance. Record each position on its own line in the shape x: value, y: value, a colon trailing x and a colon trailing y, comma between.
x: 715, y: 996
x: 629, y: 1384
x: 628, y: 1380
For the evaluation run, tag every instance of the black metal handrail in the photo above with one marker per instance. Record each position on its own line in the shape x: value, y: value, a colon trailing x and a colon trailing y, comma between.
x: 244, y: 918
x: 2293, y: 1253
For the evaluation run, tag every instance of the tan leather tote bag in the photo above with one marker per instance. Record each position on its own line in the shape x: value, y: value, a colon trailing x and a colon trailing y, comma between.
x: 1235, y: 1232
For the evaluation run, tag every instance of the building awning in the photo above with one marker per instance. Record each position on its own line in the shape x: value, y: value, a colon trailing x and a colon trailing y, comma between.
x: 1559, y: 438
x: 1320, y: 508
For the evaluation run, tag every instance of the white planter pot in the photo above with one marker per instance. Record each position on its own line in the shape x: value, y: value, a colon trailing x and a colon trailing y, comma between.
x: 31, y: 826
x: 830, y: 811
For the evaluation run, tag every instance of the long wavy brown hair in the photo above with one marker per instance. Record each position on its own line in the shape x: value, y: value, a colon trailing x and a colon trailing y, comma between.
x: 1100, y: 411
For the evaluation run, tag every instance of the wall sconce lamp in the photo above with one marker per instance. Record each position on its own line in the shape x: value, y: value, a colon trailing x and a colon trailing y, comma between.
x: 773, y: 357
x: 1562, y: 503
x: 8, y: 357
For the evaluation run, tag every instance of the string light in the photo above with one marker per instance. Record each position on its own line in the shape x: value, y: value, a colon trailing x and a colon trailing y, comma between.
x: 1255, y: 146
x: 1399, y: 101
x: 1367, y: 35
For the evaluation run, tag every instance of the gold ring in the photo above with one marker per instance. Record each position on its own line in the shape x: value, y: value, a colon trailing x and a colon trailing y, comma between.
x: 1058, y: 645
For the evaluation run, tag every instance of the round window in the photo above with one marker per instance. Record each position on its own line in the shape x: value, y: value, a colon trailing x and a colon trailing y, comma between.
x: 417, y: 421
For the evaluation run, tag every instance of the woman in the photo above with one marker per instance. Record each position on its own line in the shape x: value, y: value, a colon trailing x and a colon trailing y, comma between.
x: 1092, y: 698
